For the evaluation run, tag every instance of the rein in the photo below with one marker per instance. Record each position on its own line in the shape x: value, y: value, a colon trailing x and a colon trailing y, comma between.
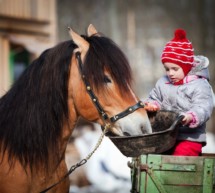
x: 104, y: 117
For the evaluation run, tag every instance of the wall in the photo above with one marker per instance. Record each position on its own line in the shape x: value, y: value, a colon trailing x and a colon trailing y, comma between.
x: 31, y: 24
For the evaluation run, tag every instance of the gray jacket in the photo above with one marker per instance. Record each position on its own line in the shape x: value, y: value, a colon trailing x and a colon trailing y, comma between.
x: 194, y: 96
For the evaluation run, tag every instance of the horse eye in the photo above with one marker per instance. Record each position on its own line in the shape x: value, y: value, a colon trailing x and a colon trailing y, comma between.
x: 107, y: 80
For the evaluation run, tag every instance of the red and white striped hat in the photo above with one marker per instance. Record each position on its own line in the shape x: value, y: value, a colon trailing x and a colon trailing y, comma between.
x: 179, y: 51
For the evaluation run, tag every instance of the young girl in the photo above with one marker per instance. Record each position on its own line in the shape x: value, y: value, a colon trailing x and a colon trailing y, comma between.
x: 185, y: 90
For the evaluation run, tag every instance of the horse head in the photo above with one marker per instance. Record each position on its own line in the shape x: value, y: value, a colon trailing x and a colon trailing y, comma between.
x: 101, y: 91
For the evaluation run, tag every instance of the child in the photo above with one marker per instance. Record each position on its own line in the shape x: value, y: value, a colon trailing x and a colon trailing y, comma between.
x: 185, y: 90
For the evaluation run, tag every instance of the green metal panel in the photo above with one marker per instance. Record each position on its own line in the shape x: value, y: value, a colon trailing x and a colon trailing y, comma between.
x: 143, y: 175
x: 181, y: 178
x: 153, y: 184
x: 208, y: 176
x: 183, y: 189
x: 175, y: 174
x: 178, y: 167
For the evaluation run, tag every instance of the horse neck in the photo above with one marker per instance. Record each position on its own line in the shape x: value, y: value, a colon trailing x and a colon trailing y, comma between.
x: 69, y: 125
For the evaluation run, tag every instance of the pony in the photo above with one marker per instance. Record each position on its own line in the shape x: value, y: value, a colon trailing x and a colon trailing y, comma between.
x: 39, y: 112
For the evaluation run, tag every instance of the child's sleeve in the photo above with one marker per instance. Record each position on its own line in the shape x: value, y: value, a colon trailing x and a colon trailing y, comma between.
x: 202, y: 105
x: 155, y: 96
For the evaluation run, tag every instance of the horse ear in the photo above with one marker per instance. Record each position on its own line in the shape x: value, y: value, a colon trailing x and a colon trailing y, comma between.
x: 82, y: 44
x: 91, y: 30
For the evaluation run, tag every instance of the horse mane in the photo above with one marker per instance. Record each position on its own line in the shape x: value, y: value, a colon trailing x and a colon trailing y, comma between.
x: 34, y: 110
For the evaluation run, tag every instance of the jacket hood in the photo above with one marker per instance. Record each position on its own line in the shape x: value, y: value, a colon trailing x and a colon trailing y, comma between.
x: 200, y: 67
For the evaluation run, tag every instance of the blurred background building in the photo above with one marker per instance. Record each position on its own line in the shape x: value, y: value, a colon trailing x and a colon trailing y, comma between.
x: 27, y: 27
x: 140, y: 27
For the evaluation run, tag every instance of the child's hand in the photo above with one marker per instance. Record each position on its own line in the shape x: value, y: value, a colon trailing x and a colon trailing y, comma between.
x: 187, y: 119
x: 151, y: 107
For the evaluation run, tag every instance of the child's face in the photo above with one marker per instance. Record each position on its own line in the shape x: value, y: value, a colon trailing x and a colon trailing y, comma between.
x: 174, y: 72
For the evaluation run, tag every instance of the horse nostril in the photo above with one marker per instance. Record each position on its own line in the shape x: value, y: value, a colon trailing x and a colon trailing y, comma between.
x: 126, y: 134
x: 143, y: 129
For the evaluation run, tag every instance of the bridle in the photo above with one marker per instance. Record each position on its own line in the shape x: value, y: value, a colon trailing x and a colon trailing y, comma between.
x: 106, y: 120
x: 96, y: 103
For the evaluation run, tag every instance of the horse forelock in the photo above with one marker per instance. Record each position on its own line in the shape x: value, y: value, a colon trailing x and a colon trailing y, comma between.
x: 34, y: 109
x: 105, y: 54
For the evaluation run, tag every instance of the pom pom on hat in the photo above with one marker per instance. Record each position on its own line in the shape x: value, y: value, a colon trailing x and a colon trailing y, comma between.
x: 180, y: 34
x: 179, y: 51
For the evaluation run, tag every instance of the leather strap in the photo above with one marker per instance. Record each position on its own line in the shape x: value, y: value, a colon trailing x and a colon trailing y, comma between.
x: 89, y: 90
x: 129, y: 110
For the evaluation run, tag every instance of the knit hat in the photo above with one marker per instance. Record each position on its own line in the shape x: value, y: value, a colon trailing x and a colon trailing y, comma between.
x: 179, y: 51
